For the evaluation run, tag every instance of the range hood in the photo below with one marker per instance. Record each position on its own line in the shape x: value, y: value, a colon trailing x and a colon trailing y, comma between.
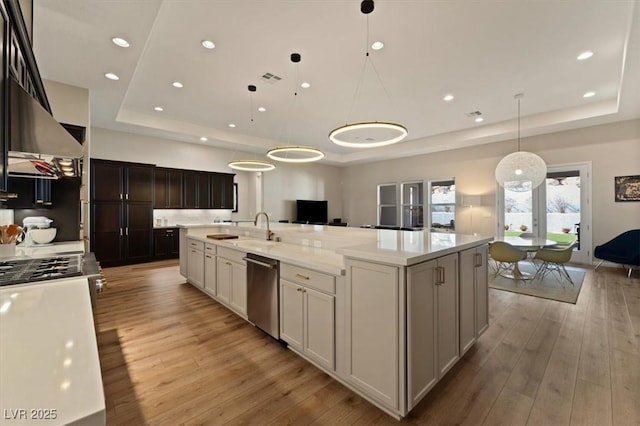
x: 38, y: 145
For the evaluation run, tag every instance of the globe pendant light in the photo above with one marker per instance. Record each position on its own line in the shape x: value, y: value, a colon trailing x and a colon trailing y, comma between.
x: 368, y: 134
x: 251, y: 165
x: 295, y: 153
x: 521, y: 171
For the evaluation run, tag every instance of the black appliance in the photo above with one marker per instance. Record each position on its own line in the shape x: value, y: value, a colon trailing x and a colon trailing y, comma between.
x: 312, y: 211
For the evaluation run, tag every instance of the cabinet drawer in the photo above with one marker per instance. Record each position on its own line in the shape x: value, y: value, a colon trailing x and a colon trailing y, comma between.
x: 198, y: 245
x: 210, y: 248
x: 308, y: 278
x: 233, y: 255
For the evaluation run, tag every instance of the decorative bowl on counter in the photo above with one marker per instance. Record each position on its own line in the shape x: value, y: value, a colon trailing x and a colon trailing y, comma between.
x: 42, y: 236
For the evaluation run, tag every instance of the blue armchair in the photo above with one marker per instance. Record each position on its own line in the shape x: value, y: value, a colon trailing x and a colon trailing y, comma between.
x: 623, y: 249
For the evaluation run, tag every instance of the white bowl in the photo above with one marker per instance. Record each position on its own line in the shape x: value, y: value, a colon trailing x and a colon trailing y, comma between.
x: 42, y: 236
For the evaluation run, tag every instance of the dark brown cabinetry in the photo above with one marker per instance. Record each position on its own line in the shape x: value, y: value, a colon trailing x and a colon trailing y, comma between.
x: 4, y: 134
x: 122, y: 211
x: 167, y: 189
x: 166, y: 243
x: 195, y: 190
x: 221, y: 191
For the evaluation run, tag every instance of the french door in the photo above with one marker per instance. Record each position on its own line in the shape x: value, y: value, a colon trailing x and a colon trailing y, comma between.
x: 559, y: 209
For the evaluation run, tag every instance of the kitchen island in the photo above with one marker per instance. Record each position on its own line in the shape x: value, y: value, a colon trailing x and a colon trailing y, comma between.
x: 386, y: 313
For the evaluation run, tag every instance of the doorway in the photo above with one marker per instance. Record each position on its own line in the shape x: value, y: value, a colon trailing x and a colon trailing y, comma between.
x: 559, y: 209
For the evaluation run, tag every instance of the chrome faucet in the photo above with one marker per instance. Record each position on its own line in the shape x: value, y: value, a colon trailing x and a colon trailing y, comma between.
x: 255, y: 222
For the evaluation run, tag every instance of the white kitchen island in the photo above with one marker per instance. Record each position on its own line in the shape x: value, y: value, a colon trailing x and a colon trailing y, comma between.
x: 386, y: 313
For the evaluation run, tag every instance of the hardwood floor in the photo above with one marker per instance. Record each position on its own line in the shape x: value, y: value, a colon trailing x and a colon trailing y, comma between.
x: 171, y: 355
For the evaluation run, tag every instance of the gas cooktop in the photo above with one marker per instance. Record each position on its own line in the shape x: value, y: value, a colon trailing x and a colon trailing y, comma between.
x: 48, y: 268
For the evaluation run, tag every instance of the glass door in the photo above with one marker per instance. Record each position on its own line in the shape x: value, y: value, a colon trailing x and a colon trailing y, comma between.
x: 557, y: 210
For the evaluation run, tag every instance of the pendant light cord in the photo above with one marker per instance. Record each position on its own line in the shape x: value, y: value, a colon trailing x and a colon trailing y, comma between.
x: 367, y: 58
x: 518, y: 124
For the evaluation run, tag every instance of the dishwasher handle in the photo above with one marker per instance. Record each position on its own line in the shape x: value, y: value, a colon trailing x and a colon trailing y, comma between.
x: 257, y: 262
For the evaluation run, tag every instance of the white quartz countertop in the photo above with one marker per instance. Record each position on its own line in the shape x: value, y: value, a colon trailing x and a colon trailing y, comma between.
x: 49, y: 249
x: 318, y: 259
x: 49, y: 366
x: 411, y: 247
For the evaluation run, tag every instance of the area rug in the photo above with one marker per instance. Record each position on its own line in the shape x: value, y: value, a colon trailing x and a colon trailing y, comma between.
x: 551, y: 287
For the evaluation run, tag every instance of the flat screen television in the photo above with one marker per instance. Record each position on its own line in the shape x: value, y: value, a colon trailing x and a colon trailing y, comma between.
x: 311, y: 211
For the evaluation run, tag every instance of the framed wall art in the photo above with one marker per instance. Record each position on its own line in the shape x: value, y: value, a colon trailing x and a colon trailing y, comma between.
x: 627, y: 188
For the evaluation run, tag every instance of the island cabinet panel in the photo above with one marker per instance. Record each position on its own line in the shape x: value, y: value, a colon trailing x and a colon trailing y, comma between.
x: 232, y: 280
x: 432, y: 323
x: 307, y: 316
x: 195, y: 262
x: 474, y: 296
x: 210, y: 269
x: 374, y: 326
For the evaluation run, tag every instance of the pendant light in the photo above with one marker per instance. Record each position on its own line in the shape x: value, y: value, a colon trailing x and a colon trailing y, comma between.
x: 521, y: 171
x: 368, y: 134
x: 295, y: 153
x: 251, y: 165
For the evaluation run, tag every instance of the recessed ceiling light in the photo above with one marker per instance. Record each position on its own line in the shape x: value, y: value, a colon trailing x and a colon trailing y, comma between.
x: 177, y: 84
x: 589, y: 94
x: 305, y: 85
x: 158, y: 108
x: 208, y: 44
x: 232, y: 125
x: 585, y: 55
x: 377, y: 45
x: 203, y: 139
x: 479, y: 119
x: 448, y: 98
x: 262, y: 109
x: 118, y: 41
x: 112, y: 76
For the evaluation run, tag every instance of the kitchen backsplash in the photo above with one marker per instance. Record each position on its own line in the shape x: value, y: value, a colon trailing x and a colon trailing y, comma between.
x: 184, y: 216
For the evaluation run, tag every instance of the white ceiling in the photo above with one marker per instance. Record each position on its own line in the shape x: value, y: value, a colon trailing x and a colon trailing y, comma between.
x: 483, y: 52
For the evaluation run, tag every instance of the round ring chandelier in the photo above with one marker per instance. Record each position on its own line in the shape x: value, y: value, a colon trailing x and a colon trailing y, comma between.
x: 251, y: 165
x: 368, y: 134
x: 295, y: 154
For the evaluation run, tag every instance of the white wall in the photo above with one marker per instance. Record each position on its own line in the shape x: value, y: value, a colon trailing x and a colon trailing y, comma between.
x: 291, y: 182
x: 613, y: 149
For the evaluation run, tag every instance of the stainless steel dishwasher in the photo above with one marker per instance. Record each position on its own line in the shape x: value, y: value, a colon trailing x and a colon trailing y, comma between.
x: 262, y: 293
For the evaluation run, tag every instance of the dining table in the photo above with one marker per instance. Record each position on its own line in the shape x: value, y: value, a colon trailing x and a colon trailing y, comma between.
x: 530, y: 245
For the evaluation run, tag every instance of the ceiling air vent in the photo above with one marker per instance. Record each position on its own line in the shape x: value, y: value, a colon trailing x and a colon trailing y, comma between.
x: 270, y: 78
x: 474, y: 114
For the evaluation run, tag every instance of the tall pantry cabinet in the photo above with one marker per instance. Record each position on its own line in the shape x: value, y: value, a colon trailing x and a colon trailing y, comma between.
x: 122, y: 211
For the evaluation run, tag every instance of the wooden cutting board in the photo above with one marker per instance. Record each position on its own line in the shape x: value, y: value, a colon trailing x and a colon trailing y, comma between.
x: 222, y: 236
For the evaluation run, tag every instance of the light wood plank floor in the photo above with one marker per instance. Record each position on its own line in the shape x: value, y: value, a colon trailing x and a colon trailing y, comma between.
x: 171, y: 355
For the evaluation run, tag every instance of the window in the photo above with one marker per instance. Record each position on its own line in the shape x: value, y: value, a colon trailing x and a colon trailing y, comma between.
x: 442, y: 204
x: 412, y: 203
x: 388, y: 205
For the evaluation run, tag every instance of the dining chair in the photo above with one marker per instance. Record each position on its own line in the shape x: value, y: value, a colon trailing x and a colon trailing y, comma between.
x: 554, y: 259
x: 506, y: 257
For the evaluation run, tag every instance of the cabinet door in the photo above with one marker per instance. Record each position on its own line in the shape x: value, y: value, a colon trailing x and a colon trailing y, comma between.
x: 227, y: 191
x: 203, y: 198
x: 139, y: 183
x: 160, y: 186
x: 421, y: 330
x: 138, y: 230
x: 224, y: 268
x: 3, y: 99
x: 482, y: 290
x: 160, y: 246
x: 195, y: 271
x: 106, y: 181
x: 291, y: 318
x: 373, y: 331
x: 174, y: 189
x: 174, y: 242
x: 319, y: 327
x: 215, y: 190
x: 467, y: 299
x: 210, y: 274
x: 189, y: 190
x: 106, y: 241
x: 239, y: 288
x: 447, y: 309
